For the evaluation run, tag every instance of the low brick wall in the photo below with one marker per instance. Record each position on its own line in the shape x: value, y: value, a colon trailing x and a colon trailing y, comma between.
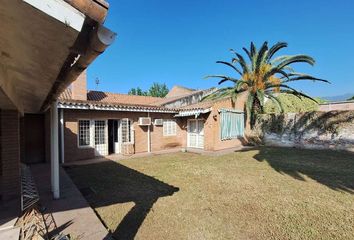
x: 317, y: 130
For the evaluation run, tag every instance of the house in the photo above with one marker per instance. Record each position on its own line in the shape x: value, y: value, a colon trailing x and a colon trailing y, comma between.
x: 95, y: 123
x: 44, y: 47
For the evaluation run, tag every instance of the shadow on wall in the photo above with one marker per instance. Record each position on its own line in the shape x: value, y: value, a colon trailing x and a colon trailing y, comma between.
x: 108, y: 183
x: 296, y: 126
x: 333, y: 169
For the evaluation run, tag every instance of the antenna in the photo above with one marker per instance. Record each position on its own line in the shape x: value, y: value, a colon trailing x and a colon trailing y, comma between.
x: 97, y: 81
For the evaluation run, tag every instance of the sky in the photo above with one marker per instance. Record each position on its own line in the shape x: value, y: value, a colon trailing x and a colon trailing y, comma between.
x: 178, y: 42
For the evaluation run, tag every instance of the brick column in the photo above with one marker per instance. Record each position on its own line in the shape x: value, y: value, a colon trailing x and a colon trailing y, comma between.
x: 10, y: 154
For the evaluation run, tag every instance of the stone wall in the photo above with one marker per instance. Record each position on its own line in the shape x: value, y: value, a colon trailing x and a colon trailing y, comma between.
x: 320, y: 130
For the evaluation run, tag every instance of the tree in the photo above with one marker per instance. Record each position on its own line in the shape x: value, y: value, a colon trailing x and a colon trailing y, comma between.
x: 156, y: 90
x: 263, y: 76
x: 137, y: 91
x: 291, y: 104
x: 352, y: 98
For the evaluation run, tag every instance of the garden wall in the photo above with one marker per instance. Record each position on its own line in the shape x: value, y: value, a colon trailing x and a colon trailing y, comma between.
x: 319, y: 130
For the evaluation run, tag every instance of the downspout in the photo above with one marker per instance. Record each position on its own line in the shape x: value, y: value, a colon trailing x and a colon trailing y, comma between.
x: 61, y: 111
x: 148, y: 140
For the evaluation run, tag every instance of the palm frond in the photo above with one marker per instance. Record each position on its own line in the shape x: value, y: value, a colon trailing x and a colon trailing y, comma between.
x: 276, y: 101
x: 230, y: 65
x: 275, y: 48
x: 260, y: 56
x: 296, y: 59
x: 218, y: 94
x: 243, y: 63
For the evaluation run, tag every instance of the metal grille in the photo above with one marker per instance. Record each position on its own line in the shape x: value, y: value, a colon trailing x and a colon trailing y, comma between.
x: 29, y: 193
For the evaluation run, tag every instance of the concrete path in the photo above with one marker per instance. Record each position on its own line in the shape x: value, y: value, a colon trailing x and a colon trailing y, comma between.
x: 71, y: 212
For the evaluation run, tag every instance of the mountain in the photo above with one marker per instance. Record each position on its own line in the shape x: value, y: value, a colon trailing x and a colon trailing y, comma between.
x: 339, y: 97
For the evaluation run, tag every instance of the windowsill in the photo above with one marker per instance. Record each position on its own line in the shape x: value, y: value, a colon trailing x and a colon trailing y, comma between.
x: 84, y: 147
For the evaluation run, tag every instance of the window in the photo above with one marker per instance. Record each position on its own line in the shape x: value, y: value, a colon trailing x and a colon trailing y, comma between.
x: 84, y: 133
x: 100, y: 137
x: 169, y: 127
x: 231, y: 124
x: 127, y: 134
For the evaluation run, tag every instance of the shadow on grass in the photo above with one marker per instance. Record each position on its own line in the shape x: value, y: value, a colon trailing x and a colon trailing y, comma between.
x: 334, y: 169
x: 112, y: 183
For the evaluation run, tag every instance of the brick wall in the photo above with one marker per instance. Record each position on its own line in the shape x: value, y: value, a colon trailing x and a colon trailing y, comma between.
x: 79, y: 88
x: 158, y: 141
x: 10, y: 154
x: 212, y: 139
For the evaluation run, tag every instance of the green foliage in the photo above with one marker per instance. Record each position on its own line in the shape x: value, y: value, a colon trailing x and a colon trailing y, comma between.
x: 352, y: 98
x: 156, y: 90
x: 291, y: 103
x: 320, y: 100
x: 137, y: 91
x: 263, y: 77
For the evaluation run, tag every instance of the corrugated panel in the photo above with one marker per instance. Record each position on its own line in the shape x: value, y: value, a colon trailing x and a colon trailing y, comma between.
x: 232, y: 124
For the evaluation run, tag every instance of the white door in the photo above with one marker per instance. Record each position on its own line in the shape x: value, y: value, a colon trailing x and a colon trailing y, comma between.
x: 117, y: 138
x: 101, y: 138
x: 195, y: 133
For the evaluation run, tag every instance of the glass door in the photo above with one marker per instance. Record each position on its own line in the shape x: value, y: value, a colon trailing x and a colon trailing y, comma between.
x: 101, y: 146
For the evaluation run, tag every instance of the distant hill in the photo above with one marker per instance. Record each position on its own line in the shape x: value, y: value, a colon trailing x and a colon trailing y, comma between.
x: 339, y: 97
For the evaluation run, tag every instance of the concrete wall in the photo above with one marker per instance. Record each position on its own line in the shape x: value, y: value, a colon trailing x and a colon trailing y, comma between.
x: 319, y: 130
x: 337, y: 106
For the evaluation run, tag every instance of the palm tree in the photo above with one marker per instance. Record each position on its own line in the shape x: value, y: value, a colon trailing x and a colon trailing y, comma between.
x: 262, y: 77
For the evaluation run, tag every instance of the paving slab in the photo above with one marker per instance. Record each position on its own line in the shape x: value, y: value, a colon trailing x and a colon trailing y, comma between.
x: 72, y: 214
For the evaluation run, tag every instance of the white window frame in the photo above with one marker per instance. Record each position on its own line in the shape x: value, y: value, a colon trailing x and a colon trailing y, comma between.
x: 78, y: 133
x: 169, y: 124
x: 131, y: 130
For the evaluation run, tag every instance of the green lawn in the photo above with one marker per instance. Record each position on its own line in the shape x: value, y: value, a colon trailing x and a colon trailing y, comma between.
x: 267, y: 193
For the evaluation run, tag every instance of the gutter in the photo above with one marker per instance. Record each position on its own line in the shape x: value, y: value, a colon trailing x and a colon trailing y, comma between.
x: 92, y: 41
x: 94, y: 9
x: 110, y: 107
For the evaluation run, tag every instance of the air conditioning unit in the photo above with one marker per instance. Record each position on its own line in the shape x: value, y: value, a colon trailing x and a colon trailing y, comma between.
x: 144, y: 121
x: 158, y: 122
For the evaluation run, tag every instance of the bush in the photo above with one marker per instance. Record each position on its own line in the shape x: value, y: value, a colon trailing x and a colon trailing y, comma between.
x: 291, y: 104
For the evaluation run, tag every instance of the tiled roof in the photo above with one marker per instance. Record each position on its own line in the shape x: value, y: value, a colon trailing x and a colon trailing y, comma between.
x: 108, y: 97
x: 66, y: 95
x: 166, y: 100
x: 97, y: 104
x: 105, y: 99
x: 179, y: 91
x: 202, y: 105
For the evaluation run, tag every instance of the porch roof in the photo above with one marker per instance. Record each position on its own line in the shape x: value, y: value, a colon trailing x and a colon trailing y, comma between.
x: 44, y: 46
x: 105, y: 106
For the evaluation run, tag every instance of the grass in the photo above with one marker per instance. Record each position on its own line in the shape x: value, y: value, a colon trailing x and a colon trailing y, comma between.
x: 267, y: 193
